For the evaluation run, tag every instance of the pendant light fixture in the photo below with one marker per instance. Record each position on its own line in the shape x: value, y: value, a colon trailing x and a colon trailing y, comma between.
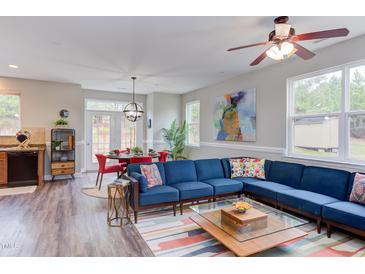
x: 133, y: 112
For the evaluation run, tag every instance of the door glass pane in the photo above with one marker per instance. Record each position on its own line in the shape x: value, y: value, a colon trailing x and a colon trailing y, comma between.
x: 319, y: 94
x: 316, y: 136
x: 357, y: 88
x: 9, y: 114
x: 128, y: 133
x: 357, y: 137
x: 100, y: 135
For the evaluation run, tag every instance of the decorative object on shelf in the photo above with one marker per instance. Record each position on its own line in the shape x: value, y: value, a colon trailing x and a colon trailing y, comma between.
x: 57, y: 144
x: 175, y: 137
x: 241, y: 206
x: 137, y: 150
x: 61, y: 123
x: 64, y: 113
x: 235, y: 116
x: 62, y: 152
x: 64, y: 158
x: 118, y: 203
x: 133, y: 111
x: 284, y: 42
x: 23, y: 137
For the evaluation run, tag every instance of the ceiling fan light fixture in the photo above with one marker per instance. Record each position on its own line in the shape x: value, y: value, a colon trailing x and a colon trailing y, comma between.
x: 281, y: 52
x: 282, y: 30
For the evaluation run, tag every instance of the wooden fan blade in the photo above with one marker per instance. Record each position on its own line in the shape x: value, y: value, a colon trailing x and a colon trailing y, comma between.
x: 248, y: 46
x: 321, y: 34
x: 302, y: 52
x: 259, y: 59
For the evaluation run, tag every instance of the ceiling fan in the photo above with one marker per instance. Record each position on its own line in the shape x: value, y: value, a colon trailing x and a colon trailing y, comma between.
x: 283, y: 41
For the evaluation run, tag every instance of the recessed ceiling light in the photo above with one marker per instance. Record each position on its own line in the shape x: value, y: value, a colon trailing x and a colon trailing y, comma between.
x: 13, y: 66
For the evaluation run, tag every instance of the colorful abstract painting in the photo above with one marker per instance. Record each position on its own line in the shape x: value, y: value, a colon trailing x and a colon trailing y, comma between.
x: 235, y: 116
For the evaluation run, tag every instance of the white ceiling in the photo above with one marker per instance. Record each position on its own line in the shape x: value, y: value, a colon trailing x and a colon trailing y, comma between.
x: 167, y: 54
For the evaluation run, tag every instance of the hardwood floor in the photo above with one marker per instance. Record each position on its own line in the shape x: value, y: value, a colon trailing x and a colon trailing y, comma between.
x: 58, y: 220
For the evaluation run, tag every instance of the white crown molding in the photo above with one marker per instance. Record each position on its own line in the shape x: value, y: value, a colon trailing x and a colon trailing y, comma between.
x: 273, y: 150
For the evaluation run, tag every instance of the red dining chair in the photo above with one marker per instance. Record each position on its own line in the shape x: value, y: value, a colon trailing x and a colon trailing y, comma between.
x: 142, y: 159
x: 123, y: 162
x: 103, y: 168
x: 162, y: 156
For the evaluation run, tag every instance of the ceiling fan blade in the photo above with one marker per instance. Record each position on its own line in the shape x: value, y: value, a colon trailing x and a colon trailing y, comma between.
x: 302, y: 52
x: 321, y: 34
x: 259, y: 59
x: 248, y: 46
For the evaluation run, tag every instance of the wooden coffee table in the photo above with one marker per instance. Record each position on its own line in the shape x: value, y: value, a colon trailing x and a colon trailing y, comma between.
x: 246, y: 237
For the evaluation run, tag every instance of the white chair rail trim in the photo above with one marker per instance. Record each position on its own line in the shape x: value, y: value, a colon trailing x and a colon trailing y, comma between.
x: 273, y: 150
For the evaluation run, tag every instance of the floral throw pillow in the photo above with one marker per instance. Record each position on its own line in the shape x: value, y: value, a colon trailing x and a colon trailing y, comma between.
x: 236, y: 167
x: 254, y: 168
x: 358, y: 189
x: 152, y: 175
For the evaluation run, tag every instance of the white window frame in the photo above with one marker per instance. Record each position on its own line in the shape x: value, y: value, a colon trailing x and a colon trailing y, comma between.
x: 188, y: 123
x: 20, y: 108
x: 343, y: 115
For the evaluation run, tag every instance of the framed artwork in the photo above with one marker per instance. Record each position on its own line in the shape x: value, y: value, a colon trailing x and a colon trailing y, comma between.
x: 235, y: 116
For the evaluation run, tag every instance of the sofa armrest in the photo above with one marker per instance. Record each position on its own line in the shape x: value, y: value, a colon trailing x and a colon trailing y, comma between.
x: 134, y: 188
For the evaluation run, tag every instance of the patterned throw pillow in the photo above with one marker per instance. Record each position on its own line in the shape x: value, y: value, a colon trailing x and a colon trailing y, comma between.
x: 358, y: 189
x: 152, y: 175
x: 254, y: 168
x: 236, y: 167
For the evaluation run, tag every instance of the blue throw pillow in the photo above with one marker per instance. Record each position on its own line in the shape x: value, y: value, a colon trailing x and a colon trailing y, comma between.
x: 142, y: 181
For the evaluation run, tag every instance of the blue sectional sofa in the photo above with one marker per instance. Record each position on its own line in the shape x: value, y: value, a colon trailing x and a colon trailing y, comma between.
x: 318, y: 193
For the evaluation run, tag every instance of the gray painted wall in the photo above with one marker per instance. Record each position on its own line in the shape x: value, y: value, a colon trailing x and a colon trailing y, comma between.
x: 270, y: 83
x: 163, y: 108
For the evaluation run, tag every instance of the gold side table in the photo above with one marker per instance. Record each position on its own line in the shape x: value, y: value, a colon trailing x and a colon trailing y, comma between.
x: 119, y: 203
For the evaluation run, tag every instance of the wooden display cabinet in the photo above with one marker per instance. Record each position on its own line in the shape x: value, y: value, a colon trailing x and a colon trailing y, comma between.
x: 62, y: 152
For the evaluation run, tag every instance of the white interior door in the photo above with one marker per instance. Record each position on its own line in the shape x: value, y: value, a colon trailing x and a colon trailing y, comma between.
x: 103, y: 134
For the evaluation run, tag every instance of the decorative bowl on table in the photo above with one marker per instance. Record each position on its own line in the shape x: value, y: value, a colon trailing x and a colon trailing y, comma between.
x: 241, y: 207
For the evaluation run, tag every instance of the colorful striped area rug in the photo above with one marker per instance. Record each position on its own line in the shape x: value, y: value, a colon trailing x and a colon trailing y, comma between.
x: 179, y: 236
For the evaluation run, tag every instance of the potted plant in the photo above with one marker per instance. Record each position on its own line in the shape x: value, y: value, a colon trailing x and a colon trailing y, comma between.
x: 56, y: 144
x: 175, y: 137
x: 62, y: 123
x: 136, y: 150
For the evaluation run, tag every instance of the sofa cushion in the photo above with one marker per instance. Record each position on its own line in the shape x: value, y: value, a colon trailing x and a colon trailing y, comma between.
x: 209, y: 169
x: 159, y: 194
x: 326, y: 181
x: 136, y: 168
x: 180, y: 171
x: 227, y: 167
x: 191, y: 190
x: 358, y: 189
x: 351, y: 184
x: 152, y: 175
x: 264, y: 189
x: 236, y: 167
x: 347, y: 213
x: 285, y: 173
x: 142, y: 181
x: 224, y: 185
x: 254, y: 168
x: 304, y: 200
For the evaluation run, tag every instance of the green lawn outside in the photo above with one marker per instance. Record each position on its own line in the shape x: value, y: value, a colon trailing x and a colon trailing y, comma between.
x: 357, y: 152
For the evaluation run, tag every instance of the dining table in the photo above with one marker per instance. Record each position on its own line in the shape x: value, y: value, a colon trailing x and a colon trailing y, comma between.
x: 126, y: 157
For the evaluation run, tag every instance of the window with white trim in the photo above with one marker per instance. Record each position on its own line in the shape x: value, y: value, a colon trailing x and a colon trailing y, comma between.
x: 9, y: 114
x: 326, y: 114
x: 193, y: 123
